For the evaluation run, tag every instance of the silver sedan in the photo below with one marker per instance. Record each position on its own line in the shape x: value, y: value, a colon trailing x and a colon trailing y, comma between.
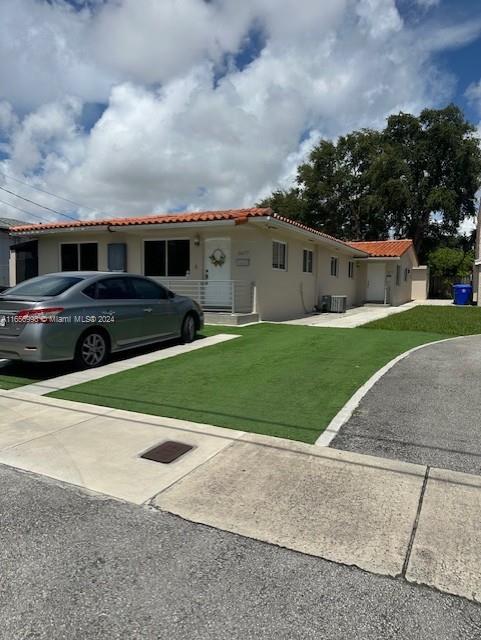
x: 85, y: 316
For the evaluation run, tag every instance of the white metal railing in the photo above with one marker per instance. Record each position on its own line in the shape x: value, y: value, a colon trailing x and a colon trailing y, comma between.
x: 233, y: 296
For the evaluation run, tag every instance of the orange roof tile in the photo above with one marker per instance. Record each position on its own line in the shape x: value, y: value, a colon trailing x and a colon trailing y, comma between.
x: 384, y: 248
x: 237, y: 215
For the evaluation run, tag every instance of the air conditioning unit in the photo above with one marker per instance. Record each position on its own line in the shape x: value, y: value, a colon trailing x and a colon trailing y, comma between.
x: 325, y: 304
x: 338, y: 304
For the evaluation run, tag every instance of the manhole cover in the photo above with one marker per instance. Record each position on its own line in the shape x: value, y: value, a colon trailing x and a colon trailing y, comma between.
x: 167, y: 452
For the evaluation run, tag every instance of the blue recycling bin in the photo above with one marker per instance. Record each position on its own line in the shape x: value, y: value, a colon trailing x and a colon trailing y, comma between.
x: 462, y: 293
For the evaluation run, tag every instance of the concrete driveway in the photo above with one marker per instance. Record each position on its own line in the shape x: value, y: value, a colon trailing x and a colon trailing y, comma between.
x: 426, y: 410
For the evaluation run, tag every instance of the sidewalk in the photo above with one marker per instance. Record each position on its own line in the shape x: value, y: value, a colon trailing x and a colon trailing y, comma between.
x: 358, y: 316
x: 386, y: 517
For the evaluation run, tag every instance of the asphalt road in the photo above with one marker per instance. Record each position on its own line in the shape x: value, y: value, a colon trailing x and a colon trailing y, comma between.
x: 426, y: 409
x: 76, y: 566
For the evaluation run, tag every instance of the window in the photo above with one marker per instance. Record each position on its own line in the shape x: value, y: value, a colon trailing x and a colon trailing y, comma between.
x: 147, y: 290
x: 43, y: 286
x: 279, y: 255
x: 166, y: 258
x: 307, y: 261
x: 117, y: 256
x: 334, y: 266
x: 81, y: 256
x: 110, y: 289
x: 351, y: 269
x: 406, y: 273
x: 398, y: 275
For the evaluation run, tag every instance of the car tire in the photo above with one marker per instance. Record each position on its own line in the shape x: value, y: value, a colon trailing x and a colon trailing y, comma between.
x: 93, y: 348
x: 189, y: 329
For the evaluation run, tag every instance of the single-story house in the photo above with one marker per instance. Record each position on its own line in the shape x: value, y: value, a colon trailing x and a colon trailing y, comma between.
x: 241, y: 265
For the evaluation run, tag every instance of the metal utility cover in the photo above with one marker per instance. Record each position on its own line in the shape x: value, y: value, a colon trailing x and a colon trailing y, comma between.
x: 167, y: 452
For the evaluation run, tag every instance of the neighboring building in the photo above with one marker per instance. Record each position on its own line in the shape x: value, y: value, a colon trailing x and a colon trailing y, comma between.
x: 5, y: 242
x: 393, y: 275
x: 247, y: 263
x: 477, y: 263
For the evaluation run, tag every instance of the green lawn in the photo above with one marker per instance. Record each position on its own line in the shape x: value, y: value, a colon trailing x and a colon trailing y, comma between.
x: 280, y: 380
x: 450, y: 321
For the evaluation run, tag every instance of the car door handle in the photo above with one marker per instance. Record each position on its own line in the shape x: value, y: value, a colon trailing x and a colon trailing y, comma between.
x: 148, y: 310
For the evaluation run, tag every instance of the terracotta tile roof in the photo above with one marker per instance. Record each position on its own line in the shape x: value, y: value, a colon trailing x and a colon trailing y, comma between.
x: 237, y: 215
x: 384, y: 248
x: 201, y: 216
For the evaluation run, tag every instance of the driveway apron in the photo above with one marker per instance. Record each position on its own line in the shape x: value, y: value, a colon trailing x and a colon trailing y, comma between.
x: 425, y: 410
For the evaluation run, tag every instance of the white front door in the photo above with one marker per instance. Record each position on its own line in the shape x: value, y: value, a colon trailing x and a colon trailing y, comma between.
x: 376, y: 281
x: 217, y: 272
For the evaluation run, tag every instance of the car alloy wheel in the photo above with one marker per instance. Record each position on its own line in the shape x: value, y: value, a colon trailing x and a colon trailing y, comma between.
x: 93, y: 350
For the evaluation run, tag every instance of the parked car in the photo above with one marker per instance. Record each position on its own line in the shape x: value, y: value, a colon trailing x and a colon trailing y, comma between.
x: 86, y: 316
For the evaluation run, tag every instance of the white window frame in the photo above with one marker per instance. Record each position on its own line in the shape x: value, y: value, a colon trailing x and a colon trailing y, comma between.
x: 156, y: 239
x: 336, y: 270
x: 78, y: 243
x: 350, y: 269
x: 306, y: 262
x: 279, y: 268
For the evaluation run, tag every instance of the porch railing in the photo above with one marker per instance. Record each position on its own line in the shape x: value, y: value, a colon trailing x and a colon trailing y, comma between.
x: 227, y: 296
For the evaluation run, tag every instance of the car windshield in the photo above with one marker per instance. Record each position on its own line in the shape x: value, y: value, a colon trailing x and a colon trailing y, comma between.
x: 43, y: 286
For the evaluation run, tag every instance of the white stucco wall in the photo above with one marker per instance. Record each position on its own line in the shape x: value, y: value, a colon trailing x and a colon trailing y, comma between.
x: 402, y: 293
x: 280, y: 294
x: 420, y: 283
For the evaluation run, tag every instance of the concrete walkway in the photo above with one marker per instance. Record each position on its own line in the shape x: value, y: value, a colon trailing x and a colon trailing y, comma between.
x: 425, y: 410
x: 77, y: 377
x: 358, y: 316
x: 387, y: 517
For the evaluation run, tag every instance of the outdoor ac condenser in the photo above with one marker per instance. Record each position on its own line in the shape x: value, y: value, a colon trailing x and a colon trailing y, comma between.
x: 338, y: 304
x: 325, y: 305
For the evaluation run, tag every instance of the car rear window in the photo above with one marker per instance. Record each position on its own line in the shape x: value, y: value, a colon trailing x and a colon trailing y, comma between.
x: 43, y: 286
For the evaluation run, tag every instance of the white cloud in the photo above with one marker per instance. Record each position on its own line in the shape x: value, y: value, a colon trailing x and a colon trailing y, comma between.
x: 379, y: 17
x: 176, y: 133
x: 473, y: 94
x: 45, y: 54
x: 428, y: 3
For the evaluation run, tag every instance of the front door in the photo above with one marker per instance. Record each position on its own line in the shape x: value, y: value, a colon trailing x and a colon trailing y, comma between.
x: 217, y: 272
x: 376, y: 281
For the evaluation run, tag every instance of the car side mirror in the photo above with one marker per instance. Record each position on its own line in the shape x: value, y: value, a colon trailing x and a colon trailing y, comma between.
x: 170, y: 294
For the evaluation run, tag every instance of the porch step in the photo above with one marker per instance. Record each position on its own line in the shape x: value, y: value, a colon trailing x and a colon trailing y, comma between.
x: 234, y: 319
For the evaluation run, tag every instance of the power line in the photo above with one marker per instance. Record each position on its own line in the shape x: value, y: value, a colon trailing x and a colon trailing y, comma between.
x: 24, y: 211
x: 49, y: 193
x: 59, y: 213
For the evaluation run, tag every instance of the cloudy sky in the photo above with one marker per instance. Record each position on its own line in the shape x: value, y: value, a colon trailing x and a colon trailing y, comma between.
x: 142, y: 106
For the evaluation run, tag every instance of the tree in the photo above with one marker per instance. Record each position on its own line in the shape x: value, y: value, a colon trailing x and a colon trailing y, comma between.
x: 415, y: 179
x: 451, y: 262
x: 448, y: 265
x: 285, y: 203
x: 334, y: 191
x: 428, y: 173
